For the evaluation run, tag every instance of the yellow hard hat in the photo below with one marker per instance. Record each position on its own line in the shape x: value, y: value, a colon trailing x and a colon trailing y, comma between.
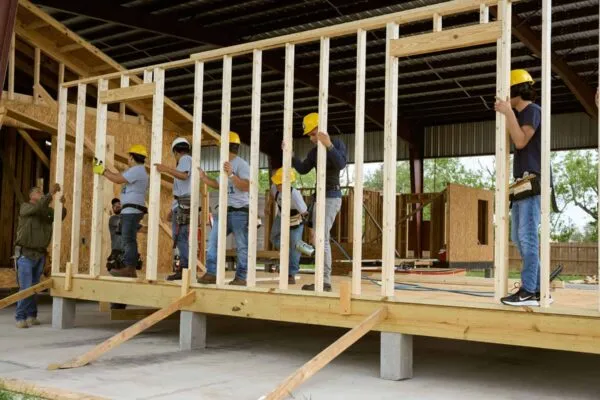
x: 310, y: 122
x: 234, y: 138
x: 277, y: 177
x: 518, y: 76
x: 138, y: 149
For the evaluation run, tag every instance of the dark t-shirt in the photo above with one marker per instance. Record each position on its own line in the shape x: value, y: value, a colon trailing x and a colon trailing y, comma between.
x: 528, y: 159
x: 114, y: 227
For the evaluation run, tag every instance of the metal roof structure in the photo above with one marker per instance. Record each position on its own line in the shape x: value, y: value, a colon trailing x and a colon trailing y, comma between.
x: 443, y: 89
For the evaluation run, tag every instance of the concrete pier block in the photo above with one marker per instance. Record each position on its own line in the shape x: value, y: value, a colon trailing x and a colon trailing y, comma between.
x: 63, y: 313
x: 192, y: 330
x: 396, y: 356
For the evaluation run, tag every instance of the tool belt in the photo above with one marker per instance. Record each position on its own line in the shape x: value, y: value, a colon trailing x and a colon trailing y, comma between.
x: 295, y: 217
x: 182, y: 211
x: 525, y: 187
x: 135, y: 206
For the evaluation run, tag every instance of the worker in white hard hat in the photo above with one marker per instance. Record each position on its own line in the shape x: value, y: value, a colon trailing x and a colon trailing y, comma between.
x: 523, y: 121
x: 134, y: 183
x: 238, y: 173
x: 298, y: 210
x: 336, y: 162
x: 180, y: 208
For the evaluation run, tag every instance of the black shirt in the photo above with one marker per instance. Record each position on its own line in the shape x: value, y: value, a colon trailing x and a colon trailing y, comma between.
x: 528, y: 159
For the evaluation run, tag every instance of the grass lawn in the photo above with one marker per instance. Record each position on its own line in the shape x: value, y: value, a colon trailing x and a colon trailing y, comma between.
x: 4, y: 395
x: 517, y: 275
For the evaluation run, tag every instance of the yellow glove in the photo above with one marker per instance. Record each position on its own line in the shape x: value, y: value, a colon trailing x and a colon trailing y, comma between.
x: 98, y: 167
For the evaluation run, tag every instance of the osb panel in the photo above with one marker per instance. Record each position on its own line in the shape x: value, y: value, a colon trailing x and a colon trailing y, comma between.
x: 125, y: 134
x: 462, y: 224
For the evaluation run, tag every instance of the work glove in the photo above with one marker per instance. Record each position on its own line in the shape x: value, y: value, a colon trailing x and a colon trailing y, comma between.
x: 98, y: 167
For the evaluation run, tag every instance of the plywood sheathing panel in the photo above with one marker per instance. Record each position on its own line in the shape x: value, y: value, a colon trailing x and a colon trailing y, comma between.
x: 463, y: 245
x: 126, y: 134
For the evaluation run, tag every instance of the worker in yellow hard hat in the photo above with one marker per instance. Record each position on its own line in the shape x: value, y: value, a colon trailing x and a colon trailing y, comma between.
x: 298, y: 210
x: 523, y: 122
x: 134, y: 183
x: 238, y: 173
x: 336, y: 162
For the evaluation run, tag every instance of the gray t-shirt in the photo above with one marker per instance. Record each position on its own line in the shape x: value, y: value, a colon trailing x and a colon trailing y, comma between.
x: 236, y: 198
x: 114, y: 223
x: 183, y: 187
x: 134, y: 191
x: 297, y: 202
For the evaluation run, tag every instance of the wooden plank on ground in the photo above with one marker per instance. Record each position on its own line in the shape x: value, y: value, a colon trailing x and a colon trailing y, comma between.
x: 326, y: 356
x: 137, y: 92
x: 450, y: 39
x: 127, y: 334
x: 23, y: 294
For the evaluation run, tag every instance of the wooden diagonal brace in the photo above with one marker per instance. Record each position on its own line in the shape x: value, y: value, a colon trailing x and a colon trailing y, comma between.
x: 127, y: 334
x: 23, y: 294
x: 326, y: 356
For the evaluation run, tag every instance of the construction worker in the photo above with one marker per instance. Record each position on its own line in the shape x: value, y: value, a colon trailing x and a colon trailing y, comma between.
x: 180, y: 208
x: 238, y: 171
x: 34, y: 232
x: 524, y: 128
x: 336, y: 162
x: 134, y: 183
x: 298, y: 210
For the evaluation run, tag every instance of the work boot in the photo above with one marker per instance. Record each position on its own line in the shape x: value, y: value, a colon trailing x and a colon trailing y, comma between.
x: 237, y: 282
x: 127, y: 271
x: 311, y: 287
x: 207, y: 279
x: 22, y: 324
x: 175, y: 276
x: 291, y: 280
x: 31, y: 321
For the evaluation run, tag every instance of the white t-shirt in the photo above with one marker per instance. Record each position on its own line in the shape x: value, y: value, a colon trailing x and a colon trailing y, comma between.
x: 297, y: 202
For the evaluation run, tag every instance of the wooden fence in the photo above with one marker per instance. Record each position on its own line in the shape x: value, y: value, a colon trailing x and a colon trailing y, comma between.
x: 576, y: 258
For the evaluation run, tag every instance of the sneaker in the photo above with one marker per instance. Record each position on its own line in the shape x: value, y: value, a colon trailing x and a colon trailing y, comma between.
x: 22, y: 324
x: 311, y: 287
x: 125, y: 272
x: 207, y: 279
x: 175, y: 276
x: 538, y: 298
x: 237, y: 282
x: 31, y: 321
x: 291, y: 280
x: 521, y: 298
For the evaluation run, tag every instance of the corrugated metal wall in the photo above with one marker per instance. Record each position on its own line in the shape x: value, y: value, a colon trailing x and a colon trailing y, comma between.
x: 569, y: 131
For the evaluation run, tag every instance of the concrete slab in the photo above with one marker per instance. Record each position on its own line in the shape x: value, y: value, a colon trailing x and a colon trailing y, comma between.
x: 245, y: 359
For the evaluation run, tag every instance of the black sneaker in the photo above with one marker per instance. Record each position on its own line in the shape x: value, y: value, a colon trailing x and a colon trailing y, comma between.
x: 311, y: 287
x: 521, y: 298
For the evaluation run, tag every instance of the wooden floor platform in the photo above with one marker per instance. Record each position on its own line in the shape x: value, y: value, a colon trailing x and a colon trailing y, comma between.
x: 571, y: 323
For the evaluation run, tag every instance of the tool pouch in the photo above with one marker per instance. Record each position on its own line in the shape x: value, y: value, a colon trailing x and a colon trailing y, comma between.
x: 524, y: 188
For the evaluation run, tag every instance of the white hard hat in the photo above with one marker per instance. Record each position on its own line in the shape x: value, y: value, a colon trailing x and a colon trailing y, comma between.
x: 179, y: 140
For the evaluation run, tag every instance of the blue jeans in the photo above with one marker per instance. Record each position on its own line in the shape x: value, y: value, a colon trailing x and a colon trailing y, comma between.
x: 237, y: 223
x: 129, y: 229
x: 525, y: 220
x: 182, y: 241
x: 29, y: 272
x: 295, y: 237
